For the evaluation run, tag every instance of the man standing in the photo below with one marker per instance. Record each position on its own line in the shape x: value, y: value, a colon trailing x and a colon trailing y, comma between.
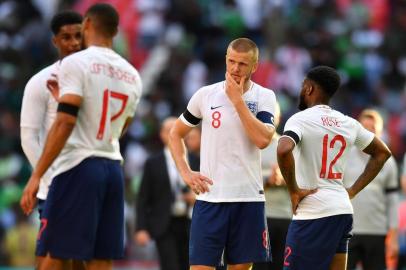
x: 38, y: 110
x: 375, y: 208
x: 163, y: 203
x: 312, y: 154
x: 237, y: 121
x: 84, y: 213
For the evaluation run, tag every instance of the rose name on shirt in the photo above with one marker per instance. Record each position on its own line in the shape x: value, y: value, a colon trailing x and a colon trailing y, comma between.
x: 330, y: 121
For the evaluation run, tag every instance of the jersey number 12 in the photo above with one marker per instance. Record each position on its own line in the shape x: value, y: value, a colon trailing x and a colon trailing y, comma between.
x: 331, y: 175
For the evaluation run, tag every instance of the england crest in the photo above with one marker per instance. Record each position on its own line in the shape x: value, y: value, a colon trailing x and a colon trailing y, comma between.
x: 253, y: 106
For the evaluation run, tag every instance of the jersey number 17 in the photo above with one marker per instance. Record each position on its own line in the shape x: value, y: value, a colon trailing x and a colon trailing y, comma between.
x: 107, y: 94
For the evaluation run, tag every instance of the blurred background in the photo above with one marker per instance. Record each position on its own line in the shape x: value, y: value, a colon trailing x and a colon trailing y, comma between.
x: 179, y: 46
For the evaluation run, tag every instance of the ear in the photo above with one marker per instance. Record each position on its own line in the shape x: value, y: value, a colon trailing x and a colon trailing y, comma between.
x: 254, y: 68
x: 54, y: 41
x: 310, y: 88
x: 86, y: 23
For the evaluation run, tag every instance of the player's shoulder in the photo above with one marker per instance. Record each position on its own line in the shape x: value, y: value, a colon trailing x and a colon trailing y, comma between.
x: 39, y: 79
x: 262, y: 90
x: 209, y: 89
x: 213, y: 87
x: 76, y: 59
x: 300, y: 115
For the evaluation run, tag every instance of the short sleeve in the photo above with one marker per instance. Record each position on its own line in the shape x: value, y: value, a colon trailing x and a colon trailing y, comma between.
x: 137, y: 95
x: 266, y: 108
x: 363, y: 136
x: 293, y: 129
x: 71, y: 75
x: 193, y: 113
x: 34, y: 103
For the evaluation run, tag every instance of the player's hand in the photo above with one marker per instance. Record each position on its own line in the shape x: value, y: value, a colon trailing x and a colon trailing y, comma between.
x: 234, y: 90
x: 142, y: 237
x: 198, y: 182
x: 53, y: 87
x: 29, y: 196
x: 296, y: 197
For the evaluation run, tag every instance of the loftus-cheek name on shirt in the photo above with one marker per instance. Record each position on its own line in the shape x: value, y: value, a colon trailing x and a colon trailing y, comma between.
x: 330, y: 121
x: 112, y: 72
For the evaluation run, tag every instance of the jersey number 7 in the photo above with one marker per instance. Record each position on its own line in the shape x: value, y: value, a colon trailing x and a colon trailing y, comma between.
x: 331, y: 175
x: 107, y: 94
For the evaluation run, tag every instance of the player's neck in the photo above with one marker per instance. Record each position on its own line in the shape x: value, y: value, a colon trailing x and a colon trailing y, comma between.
x: 318, y: 103
x: 100, y: 42
x: 247, y: 85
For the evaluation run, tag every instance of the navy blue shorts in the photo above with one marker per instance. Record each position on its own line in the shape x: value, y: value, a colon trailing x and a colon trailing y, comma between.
x: 83, y: 215
x: 312, y: 244
x: 236, y: 229
x: 40, y: 207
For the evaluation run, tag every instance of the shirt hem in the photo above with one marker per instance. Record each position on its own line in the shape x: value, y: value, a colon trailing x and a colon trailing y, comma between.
x: 321, y: 215
x: 232, y: 200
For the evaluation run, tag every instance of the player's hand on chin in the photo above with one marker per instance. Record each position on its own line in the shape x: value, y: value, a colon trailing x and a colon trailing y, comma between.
x: 234, y: 90
x: 298, y: 195
x: 198, y: 182
x: 29, y: 196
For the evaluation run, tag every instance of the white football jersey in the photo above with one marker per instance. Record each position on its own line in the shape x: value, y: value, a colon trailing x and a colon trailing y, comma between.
x: 38, y: 112
x: 111, y: 89
x: 228, y: 157
x: 323, y: 139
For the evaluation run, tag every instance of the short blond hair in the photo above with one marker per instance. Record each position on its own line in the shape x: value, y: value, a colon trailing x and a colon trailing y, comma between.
x: 374, y: 115
x: 245, y: 45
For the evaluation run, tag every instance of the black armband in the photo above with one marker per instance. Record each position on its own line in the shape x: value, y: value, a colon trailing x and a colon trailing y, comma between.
x: 191, y: 118
x: 292, y: 135
x: 68, y: 108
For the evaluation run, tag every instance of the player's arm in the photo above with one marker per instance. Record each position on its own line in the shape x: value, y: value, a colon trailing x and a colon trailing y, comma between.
x: 33, y: 112
x: 126, y: 125
x: 259, y: 133
x: 30, y: 144
x: 58, y: 135
x: 197, y: 182
x: 286, y: 163
x: 379, y: 153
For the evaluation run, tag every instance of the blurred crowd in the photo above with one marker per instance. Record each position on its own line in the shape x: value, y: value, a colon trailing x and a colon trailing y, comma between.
x: 179, y: 46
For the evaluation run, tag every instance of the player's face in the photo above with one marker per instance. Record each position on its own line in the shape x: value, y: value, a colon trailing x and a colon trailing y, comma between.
x: 302, y: 98
x: 69, y: 39
x: 240, y: 64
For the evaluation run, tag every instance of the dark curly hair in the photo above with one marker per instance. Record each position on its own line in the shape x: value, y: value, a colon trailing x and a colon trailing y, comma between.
x: 64, y: 18
x: 326, y: 77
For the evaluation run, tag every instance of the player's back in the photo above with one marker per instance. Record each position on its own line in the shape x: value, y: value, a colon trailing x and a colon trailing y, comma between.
x: 326, y: 137
x: 110, y: 88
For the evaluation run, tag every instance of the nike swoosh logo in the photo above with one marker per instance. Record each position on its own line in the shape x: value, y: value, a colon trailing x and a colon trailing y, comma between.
x: 215, y: 107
